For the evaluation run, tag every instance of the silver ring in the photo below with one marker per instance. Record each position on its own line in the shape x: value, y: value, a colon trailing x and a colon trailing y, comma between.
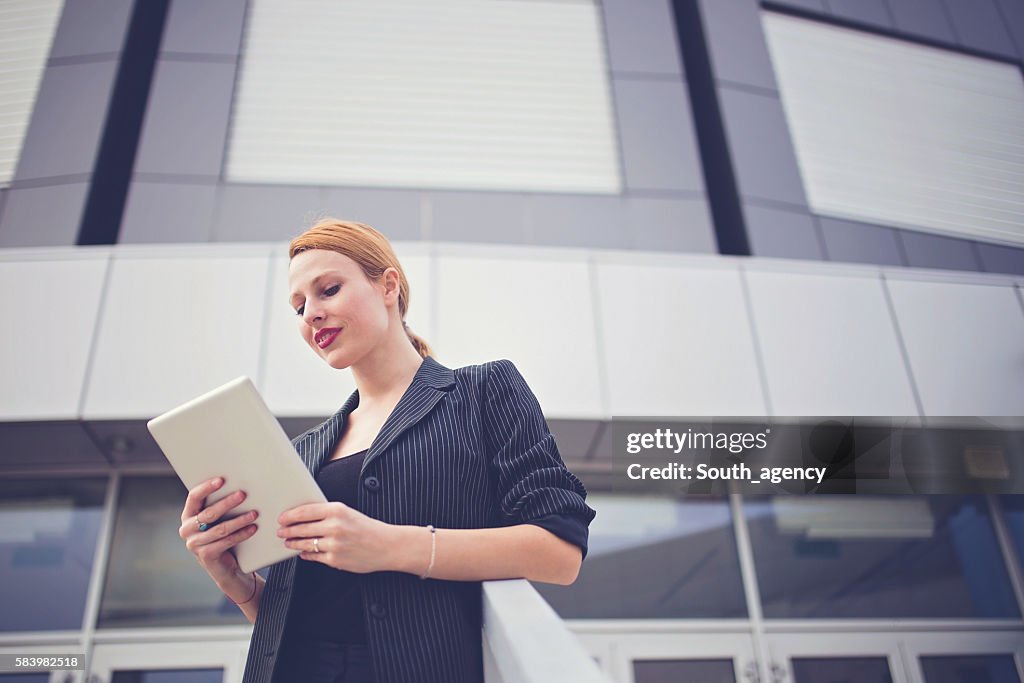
x: 316, y: 545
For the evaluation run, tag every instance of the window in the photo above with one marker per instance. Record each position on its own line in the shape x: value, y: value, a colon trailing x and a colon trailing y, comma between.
x: 900, y: 134
x: 863, y: 557
x: 655, y: 558
x: 26, y: 32
x: 152, y: 579
x: 496, y: 94
x: 48, y: 534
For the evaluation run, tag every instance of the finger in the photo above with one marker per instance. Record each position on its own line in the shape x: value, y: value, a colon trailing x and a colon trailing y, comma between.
x: 197, y: 495
x: 217, y: 532
x: 230, y: 541
x: 315, y: 557
x: 221, y: 507
x: 307, y: 545
x: 309, y: 530
x: 310, y: 512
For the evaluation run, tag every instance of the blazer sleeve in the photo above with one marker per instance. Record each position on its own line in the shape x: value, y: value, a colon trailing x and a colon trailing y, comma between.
x: 534, y: 486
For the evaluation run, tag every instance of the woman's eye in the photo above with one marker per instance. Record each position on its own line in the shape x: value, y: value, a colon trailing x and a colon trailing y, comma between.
x: 330, y: 291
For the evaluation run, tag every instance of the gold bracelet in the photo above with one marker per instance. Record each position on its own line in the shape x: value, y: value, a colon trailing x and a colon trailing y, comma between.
x: 433, y: 551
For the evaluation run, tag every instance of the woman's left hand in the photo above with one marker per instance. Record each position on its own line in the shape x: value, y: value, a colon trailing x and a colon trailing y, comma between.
x: 346, y: 538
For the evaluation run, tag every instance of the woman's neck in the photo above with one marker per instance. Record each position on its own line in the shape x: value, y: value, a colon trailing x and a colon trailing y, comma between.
x: 384, y: 376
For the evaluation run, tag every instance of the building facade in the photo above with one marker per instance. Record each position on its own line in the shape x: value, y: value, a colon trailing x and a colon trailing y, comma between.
x: 654, y: 207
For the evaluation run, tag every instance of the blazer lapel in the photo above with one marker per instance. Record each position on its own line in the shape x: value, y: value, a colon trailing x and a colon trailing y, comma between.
x: 316, y: 447
x: 430, y: 384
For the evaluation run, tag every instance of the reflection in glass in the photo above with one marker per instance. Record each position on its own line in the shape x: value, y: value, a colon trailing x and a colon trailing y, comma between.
x: 655, y: 558
x: 970, y: 669
x: 48, y: 534
x: 169, y: 676
x: 675, y: 670
x: 876, y: 557
x: 842, y: 670
x: 1013, y: 512
x: 152, y: 579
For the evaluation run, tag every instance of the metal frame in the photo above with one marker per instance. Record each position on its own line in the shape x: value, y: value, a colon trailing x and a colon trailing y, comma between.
x: 1013, y: 565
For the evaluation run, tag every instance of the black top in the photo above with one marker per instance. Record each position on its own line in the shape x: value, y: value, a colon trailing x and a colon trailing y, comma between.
x: 328, y: 602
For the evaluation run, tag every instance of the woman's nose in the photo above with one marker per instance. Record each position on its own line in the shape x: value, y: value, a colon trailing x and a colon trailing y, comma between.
x: 311, y: 314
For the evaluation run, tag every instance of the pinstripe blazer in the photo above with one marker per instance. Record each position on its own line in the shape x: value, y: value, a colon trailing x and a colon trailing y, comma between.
x: 464, y: 448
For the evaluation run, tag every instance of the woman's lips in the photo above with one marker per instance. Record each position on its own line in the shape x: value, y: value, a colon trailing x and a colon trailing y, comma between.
x: 327, y: 337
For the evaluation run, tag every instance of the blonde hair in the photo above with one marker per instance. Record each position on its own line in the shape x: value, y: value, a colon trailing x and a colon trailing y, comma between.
x: 370, y: 250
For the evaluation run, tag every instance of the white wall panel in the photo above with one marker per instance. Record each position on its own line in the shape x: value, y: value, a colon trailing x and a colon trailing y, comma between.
x: 537, y: 312
x: 677, y: 339
x: 966, y: 345
x: 297, y: 382
x: 900, y: 134
x: 175, y: 326
x: 27, y: 28
x: 49, y: 309
x: 452, y: 93
x: 595, y: 334
x: 829, y: 345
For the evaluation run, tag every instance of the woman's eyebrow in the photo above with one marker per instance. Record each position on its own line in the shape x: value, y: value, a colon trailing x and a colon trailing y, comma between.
x: 313, y: 283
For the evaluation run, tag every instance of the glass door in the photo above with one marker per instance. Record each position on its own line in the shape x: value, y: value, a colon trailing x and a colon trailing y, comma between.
x: 966, y: 657
x: 940, y: 657
x: 665, y: 657
x: 835, y: 658
x: 182, y: 662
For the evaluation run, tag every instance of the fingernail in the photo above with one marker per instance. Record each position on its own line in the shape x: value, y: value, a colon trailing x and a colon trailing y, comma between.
x: 253, y: 514
x: 218, y: 481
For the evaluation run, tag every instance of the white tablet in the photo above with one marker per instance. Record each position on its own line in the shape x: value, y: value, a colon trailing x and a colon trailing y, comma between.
x: 230, y: 432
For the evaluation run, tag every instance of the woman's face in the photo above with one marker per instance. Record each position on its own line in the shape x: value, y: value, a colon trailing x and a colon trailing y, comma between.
x: 341, y: 314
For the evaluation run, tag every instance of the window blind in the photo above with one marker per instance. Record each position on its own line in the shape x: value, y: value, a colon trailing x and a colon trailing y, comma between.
x: 901, y: 134
x: 480, y: 94
x: 26, y: 34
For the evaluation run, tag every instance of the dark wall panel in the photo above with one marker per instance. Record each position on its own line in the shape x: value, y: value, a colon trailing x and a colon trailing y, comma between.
x: 856, y: 242
x: 926, y: 18
x: 91, y: 27
x: 872, y: 12
x: 204, y: 27
x: 935, y: 251
x: 980, y: 26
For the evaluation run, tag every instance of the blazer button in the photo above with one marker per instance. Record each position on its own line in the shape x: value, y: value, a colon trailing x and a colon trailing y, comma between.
x: 378, y: 611
x: 372, y: 484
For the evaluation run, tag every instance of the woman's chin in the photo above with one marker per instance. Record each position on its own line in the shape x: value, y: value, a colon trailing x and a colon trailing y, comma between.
x: 338, y: 362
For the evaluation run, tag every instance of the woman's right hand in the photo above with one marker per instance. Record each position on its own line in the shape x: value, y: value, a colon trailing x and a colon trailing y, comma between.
x: 212, y: 547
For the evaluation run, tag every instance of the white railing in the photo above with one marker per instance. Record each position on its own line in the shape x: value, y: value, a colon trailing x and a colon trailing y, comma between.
x: 526, y: 642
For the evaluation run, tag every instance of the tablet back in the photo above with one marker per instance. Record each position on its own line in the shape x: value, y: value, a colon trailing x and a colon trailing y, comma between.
x: 230, y: 432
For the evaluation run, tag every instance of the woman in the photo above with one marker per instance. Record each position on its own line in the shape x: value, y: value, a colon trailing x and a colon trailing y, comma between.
x: 437, y: 479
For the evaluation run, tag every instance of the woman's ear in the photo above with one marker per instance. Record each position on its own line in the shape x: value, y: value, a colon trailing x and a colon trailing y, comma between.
x: 391, y: 283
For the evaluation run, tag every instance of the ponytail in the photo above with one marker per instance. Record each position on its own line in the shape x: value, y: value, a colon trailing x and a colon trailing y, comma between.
x: 418, y: 343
